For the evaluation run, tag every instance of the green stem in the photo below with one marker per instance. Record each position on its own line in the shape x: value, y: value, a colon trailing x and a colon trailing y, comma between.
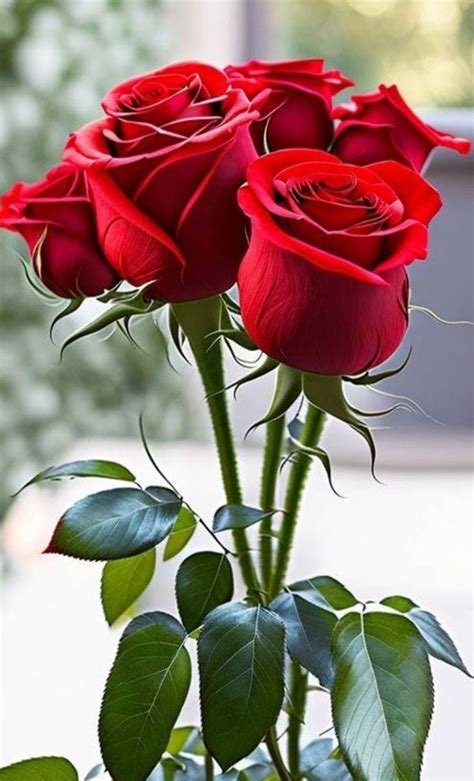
x: 198, y: 320
x: 208, y: 767
x: 274, y: 751
x: 312, y: 431
x: 298, y: 691
x: 270, y: 470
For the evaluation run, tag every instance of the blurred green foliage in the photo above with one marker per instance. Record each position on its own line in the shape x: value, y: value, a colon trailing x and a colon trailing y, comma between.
x: 424, y: 46
x: 57, y: 58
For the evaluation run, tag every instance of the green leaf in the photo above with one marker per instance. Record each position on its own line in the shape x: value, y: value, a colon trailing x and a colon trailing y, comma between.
x: 308, y: 631
x: 123, y: 581
x: 203, y: 581
x: 258, y: 772
x: 238, y: 516
x: 41, y: 769
x: 116, y: 524
x: 240, y: 651
x: 324, y: 591
x: 91, y: 468
x: 95, y: 772
x: 382, y: 696
x: 437, y: 640
x: 402, y: 604
x: 182, y: 531
x: 318, y: 764
x: 186, y: 740
x: 143, y: 696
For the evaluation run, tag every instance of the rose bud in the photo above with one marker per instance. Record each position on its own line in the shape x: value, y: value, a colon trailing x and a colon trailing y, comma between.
x: 381, y: 126
x: 323, y: 286
x: 55, y: 216
x: 297, y: 109
x: 163, y: 170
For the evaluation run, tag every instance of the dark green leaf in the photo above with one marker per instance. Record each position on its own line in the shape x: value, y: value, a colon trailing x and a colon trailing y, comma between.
x: 92, y: 468
x: 186, y: 740
x: 144, y: 695
x: 437, y: 640
x: 41, y: 769
x: 116, y: 524
x: 324, y: 591
x: 308, y: 631
x: 204, y: 581
x: 182, y: 531
x: 123, y: 581
x: 382, y: 696
x: 317, y: 762
x: 178, y: 768
x: 240, y: 652
x: 237, y: 516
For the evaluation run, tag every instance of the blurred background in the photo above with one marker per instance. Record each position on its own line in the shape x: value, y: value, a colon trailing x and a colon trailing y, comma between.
x: 57, y: 58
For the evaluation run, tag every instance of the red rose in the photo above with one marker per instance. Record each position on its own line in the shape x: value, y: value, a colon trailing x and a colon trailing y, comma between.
x: 163, y: 171
x: 323, y: 285
x: 298, y: 106
x: 70, y: 262
x: 380, y: 126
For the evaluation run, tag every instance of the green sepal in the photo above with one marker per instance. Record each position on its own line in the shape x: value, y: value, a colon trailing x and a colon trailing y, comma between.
x: 326, y: 393
x: 236, y: 335
x: 71, y: 307
x: 371, y: 379
x: 177, y: 335
x: 438, y: 318
x: 268, y: 365
x: 134, y: 306
x: 35, y: 282
x: 286, y: 391
x: 312, y: 452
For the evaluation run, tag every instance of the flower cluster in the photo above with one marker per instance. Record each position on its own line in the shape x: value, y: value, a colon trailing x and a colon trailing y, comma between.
x: 197, y: 178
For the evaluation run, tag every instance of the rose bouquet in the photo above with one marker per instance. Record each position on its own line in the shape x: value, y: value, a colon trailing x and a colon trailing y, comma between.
x: 264, y: 221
